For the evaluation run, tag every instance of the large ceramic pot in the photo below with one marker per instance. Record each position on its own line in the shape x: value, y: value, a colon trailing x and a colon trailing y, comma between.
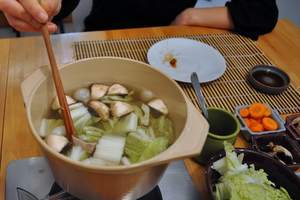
x: 114, y: 182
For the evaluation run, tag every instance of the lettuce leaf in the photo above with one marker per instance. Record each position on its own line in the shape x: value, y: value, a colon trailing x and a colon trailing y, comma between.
x: 163, y: 127
x: 48, y: 125
x: 240, y: 181
x: 111, y: 98
x: 134, y: 146
x: 157, y: 146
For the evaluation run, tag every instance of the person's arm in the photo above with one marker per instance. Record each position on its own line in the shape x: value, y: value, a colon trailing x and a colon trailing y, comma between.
x: 28, y: 15
x: 215, y: 17
x: 67, y: 7
x: 250, y: 18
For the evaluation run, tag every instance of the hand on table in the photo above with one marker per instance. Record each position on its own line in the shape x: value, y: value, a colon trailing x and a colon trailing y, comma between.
x: 215, y: 17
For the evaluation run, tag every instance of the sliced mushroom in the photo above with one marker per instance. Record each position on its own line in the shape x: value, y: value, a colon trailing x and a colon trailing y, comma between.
x: 159, y: 105
x: 56, y: 142
x: 101, y: 109
x: 280, y: 153
x: 279, y: 148
x: 88, y: 147
x: 98, y: 91
x: 56, y: 105
x: 117, y: 89
x: 119, y: 108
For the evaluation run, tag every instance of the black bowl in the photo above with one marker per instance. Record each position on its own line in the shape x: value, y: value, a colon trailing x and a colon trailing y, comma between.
x: 268, y: 79
x: 277, y: 172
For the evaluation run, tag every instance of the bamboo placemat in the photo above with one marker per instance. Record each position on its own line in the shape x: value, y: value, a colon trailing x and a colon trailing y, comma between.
x: 230, y: 90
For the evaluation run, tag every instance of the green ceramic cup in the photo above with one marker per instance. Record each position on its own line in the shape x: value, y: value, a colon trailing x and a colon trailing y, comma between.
x: 223, y: 125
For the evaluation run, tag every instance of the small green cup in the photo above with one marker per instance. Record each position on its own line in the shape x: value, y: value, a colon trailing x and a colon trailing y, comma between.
x: 223, y: 125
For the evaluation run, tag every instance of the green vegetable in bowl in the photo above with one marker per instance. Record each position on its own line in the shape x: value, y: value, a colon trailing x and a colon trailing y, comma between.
x: 240, y: 181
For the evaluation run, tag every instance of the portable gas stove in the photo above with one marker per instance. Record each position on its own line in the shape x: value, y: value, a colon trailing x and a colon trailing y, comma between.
x: 31, y: 179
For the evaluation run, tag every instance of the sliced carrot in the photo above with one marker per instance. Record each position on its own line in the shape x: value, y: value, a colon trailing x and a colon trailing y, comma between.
x: 269, y: 124
x: 253, y: 121
x: 257, y: 110
x: 244, y: 112
x: 259, y: 120
x: 256, y: 127
x: 268, y: 111
x: 247, y: 122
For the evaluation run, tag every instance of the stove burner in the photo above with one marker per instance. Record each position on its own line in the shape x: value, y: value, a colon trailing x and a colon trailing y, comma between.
x: 155, y: 194
x: 31, y: 179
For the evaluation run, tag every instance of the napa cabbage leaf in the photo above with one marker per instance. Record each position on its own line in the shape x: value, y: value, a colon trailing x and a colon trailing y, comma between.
x: 240, y: 181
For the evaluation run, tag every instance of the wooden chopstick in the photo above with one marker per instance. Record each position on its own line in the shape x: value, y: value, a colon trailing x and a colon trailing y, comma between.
x: 70, y: 129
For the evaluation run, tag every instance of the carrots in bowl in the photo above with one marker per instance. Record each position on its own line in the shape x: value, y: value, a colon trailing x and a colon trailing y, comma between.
x: 257, y: 118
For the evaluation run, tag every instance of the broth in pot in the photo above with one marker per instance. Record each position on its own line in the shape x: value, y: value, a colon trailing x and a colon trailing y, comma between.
x: 115, y: 125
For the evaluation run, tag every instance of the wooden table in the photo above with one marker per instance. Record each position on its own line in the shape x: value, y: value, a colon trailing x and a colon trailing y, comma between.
x: 4, y: 54
x: 19, y: 57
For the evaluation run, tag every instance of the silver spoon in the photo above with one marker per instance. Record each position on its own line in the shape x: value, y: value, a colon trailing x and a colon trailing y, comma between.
x: 197, y: 89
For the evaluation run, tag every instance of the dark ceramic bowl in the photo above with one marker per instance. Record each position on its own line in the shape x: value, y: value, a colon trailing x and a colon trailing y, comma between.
x: 292, y: 129
x: 277, y: 172
x: 259, y: 142
x: 268, y: 79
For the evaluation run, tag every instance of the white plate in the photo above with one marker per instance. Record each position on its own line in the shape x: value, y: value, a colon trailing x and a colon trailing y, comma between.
x: 190, y: 56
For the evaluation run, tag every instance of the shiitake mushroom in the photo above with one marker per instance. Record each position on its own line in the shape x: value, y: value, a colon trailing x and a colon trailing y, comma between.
x: 279, y: 152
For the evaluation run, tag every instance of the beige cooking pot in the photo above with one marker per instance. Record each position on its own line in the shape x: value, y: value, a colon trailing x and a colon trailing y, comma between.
x: 114, y: 182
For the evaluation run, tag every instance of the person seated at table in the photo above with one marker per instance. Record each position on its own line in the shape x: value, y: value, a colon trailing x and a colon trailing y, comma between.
x: 250, y: 18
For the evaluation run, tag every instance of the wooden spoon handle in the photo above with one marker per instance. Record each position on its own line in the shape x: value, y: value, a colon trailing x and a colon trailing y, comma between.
x: 70, y: 129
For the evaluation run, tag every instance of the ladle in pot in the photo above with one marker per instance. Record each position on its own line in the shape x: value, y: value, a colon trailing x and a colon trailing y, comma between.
x: 70, y: 129
x: 197, y: 89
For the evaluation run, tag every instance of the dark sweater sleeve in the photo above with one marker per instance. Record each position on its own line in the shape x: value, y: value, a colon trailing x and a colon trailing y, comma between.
x: 252, y: 18
x: 67, y: 8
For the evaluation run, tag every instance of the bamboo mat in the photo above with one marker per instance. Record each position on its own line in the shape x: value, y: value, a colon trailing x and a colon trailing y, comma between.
x: 230, y: 90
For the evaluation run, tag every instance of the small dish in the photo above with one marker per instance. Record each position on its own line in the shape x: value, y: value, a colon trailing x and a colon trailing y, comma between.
x: 179, y: 57
x: 259, y: 142
x: 247, y: 133
x: 278, y: 173
x: 268, y: 79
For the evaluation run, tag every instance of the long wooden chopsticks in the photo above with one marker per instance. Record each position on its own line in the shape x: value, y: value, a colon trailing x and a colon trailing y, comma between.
x: 70, y: 129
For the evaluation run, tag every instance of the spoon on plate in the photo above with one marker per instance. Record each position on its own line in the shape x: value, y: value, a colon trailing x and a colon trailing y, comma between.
x: 197, y: 89
x: 70, y: 129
